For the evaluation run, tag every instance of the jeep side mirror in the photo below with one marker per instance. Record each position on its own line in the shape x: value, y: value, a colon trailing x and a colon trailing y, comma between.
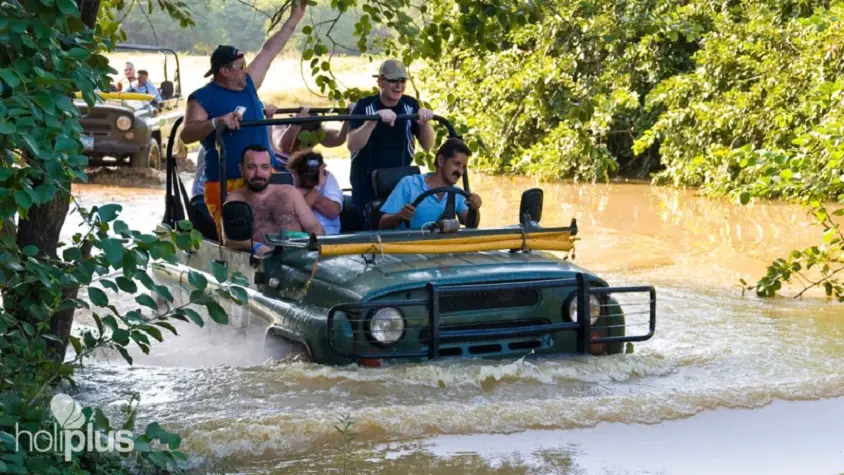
x: 530, y: 208
x: 237, y: 221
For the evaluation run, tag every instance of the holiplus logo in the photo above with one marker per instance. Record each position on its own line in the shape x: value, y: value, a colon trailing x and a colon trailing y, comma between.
x: 71, y: 433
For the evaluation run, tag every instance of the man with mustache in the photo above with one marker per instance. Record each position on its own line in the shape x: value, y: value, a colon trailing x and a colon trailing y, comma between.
x: 385, y: 143
x: 451, y: 165
x: 273, y: 207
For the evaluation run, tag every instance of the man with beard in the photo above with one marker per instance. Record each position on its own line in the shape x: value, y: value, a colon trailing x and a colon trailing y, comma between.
x: 234, y: 84
x: 273, y: 207
x: 385, y: 143
x: 451, y: 165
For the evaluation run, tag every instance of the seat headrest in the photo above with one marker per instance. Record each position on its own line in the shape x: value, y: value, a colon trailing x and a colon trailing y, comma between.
x: 166, y: 90
x: 281, y: 178
x: 385, y: 179
x: 237, y: 220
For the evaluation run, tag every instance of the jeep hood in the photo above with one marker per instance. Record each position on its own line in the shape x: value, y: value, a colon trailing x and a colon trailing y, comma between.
x: 117, y: 106
x: 391, y: 273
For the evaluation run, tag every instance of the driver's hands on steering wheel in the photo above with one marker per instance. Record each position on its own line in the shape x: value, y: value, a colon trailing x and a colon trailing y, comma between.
x: 387, y: 116
x: 474, y: 201
x: 407, y: 211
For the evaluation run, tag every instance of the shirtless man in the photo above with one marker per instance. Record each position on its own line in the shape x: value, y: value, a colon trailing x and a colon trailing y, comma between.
x: 273, y: 207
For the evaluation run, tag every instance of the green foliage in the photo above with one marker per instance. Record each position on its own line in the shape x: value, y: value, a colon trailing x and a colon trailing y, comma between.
x: 48, y: 54
x: 762, y: 115
x: 762, y: 112
x: 347, y: 437
x: 241, y: 24
x: 555, y: 87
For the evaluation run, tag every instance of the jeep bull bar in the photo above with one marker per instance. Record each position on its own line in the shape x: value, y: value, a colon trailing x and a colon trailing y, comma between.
x: 436, y: 334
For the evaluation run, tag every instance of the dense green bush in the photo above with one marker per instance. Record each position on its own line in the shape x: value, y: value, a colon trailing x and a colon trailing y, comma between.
x: 766, y: 92
x: 48, y: 54
x: 558, y: 89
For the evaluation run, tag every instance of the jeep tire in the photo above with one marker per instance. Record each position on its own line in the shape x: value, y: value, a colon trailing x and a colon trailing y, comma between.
x: 277, y: 347
x: 150, y: 157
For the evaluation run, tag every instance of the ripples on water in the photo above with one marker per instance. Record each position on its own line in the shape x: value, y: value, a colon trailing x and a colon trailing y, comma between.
x: 712, y: 349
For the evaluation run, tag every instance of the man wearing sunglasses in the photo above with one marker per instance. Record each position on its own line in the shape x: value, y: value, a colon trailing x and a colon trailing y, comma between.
x: 388, y: 142
x: 234, y: 85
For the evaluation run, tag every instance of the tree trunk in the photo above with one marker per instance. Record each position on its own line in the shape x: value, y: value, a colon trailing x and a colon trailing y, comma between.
x: 41, y: 229
x: 89, y: 9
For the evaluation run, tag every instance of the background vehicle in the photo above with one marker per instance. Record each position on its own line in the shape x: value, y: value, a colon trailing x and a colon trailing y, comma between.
x: 130, y: 128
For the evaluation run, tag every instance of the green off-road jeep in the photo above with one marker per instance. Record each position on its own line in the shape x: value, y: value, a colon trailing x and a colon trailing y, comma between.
x: 371, y: 297
x: 130, y: 128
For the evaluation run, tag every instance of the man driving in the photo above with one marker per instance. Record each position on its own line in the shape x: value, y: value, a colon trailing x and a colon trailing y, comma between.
x: 145, y: 86
x: 451, y: 161
x: 273, y: 207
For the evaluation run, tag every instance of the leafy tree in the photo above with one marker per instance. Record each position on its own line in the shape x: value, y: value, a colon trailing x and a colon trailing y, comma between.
x: 51, y: 50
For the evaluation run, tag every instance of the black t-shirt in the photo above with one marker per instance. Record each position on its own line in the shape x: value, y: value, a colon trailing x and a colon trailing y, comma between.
x: 387, y: 146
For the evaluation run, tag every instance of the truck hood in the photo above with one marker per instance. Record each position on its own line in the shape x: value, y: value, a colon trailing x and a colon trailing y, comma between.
x: 391, y: 273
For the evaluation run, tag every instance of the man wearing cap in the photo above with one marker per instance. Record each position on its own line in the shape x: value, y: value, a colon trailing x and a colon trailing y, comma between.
x: 234, y: 84
x: 389, y: 142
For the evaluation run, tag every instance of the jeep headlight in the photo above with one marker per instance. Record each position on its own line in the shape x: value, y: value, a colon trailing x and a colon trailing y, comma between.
x: 594, y: 309
x: 123, y: 123
x: 386, y: 326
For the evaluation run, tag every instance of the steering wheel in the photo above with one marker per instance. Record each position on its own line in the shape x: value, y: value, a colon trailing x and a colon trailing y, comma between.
x: 451, y: 194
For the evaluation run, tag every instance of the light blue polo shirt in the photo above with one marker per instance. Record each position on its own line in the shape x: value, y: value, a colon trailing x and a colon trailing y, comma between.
x: 428, y: 211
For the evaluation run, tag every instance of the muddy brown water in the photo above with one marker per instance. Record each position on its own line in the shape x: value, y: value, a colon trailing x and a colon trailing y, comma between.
x: 729, y: 384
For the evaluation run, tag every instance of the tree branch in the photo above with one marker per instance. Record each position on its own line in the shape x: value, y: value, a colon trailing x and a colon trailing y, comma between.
x: 815, y: 284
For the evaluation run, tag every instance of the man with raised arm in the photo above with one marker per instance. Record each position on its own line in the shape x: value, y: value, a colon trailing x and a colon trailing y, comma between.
x: 273, y: 207
x: 234, y: 84
x: 385, y: 143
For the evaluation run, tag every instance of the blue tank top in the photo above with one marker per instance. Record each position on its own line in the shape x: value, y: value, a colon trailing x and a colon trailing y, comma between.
x: 218, y: 101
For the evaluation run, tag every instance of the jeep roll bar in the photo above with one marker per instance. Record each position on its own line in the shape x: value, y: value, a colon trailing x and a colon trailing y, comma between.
x: 174, y: 209
x: 452, y: 133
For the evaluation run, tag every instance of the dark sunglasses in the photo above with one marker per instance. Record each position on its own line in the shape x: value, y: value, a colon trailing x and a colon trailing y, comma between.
x: 396, y: 81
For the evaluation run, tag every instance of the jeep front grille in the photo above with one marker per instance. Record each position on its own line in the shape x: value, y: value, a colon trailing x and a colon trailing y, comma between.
x: 425, y: 334
x: 490, y: 300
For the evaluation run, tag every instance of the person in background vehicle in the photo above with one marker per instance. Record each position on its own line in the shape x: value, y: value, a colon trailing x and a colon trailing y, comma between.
x: 273, y: 207
x: 451, y: 161
x: 386, y: 143
x: 129, y: 75
x: 234, y: 84
x: 286, y: 138
x: 319, y: 187
x: 145, y: 86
